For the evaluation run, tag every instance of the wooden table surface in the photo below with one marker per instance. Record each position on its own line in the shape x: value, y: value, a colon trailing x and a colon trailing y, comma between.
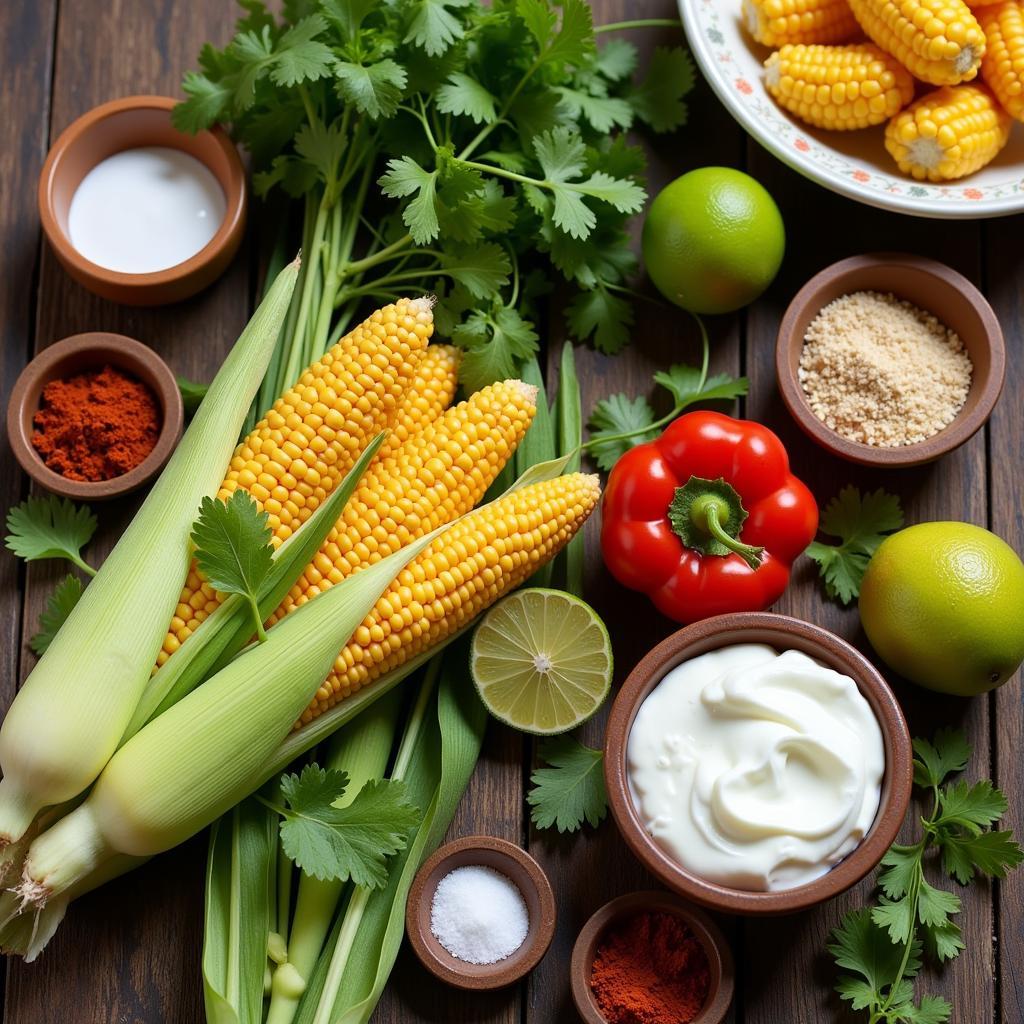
x: 130, y: 952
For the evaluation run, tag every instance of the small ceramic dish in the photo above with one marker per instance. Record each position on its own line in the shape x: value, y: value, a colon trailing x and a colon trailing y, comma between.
x: 91, y: 352
x: 929, y: 285
x: 720, y: 962
x: 127, y: 124
x: 782, y: 633
x: 511, y: 861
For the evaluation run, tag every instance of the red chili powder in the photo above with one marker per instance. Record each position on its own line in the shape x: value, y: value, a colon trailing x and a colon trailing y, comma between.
x: 96, y: 425
x: 650, y: 969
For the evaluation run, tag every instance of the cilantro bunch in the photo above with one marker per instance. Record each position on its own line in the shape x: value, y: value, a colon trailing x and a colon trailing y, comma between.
x: 884, y: 945
x: 447, y: 146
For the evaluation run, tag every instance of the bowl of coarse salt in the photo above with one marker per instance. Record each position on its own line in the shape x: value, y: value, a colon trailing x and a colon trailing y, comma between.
x: 890, y: 359
x: 480, y: 913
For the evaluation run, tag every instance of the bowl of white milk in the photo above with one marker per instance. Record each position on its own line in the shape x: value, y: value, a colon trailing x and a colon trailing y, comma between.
x: 137, y: 211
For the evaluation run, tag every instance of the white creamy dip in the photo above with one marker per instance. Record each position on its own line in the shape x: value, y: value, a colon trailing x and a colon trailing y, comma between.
x: 144, y: 210
x: 755, y: 769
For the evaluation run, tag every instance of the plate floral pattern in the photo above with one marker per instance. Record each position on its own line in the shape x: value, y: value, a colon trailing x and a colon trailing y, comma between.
x: 854, y: 164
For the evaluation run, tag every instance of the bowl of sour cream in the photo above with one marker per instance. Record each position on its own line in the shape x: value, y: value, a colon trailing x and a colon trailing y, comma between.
x: 757, y: 764
x: 137, y: 211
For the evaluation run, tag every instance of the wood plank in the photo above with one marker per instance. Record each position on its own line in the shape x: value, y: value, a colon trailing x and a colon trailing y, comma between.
x: 590, y: 867
x: 1006, y: 451
x: 794, y: 983
x: 130, y: 952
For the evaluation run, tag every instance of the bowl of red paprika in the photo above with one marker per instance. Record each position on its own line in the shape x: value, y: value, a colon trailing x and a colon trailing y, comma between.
x: 782, y: 633
x: 653, y: 953
x: 95, y: 416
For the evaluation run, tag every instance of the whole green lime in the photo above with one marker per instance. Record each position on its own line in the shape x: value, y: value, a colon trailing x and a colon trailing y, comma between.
x: 943, y: 605
x: 713, y: 240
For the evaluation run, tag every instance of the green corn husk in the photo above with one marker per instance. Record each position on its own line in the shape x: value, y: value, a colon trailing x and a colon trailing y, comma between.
x: 569, y: 417
x: 537, y: 446
x: 436, y: 761
x: 71, y: 713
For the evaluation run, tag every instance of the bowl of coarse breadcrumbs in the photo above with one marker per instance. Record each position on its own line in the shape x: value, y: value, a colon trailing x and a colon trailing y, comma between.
x: 890, y: 359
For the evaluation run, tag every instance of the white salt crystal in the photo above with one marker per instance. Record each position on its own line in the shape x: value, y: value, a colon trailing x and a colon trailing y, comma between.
x: 478, y: 915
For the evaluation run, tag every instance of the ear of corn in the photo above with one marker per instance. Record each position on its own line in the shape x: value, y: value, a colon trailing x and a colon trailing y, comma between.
x: 838, y: 87
x: 437, y: 476
x: 73, y: 709
x: 948, y: 133
x: 311, y: 438
x: 938, y: 41
x: 465, y: 570
x: 1003, y: 64
x: 778, y: 22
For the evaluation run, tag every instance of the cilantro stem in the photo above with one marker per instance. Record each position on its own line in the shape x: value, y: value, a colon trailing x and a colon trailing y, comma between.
x: 261, y: 633
x: 368, y: 262
x: 81, y: 563
x: 617, y: 26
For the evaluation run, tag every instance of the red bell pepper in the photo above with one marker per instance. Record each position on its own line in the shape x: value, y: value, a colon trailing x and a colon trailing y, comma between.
x: 707, y: 518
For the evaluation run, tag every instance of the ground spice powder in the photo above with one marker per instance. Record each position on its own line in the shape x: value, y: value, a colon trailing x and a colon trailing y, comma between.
x: 650, y: 969
x: 96, y: 425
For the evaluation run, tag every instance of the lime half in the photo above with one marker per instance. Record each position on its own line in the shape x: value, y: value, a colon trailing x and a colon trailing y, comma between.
x: 542, y: 661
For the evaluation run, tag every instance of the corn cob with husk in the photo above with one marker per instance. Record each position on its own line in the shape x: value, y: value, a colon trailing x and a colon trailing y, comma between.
x: 72, y: 711
x: 778, y: 22
x: 313, y: 435
x: 938, y: 41
x: 218, y: 744
x: 949, y: 133
x: 1003, y: 65
x: 838, y: 87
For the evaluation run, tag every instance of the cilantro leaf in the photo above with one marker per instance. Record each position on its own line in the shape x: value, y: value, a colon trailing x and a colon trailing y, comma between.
x: 571, y: 790
x: 299, y: 56
x: 373, y: 89
x: 192, y: 394
x: 482, y: 270
x: 433, y: 27
x: 233, y: 549
x: 949, y: 752
x: 972, y: 808
x: 495, y: 344
x: 404, y: 178
x: 602, y: 112
x: 614, y: 415
x: 615, y: 59
x: 935, y: 905
x: 903, y: 867
x: 896, y: 917
x: 206, y: 103
x: 860, y: 945
x: 990, y: 853
x: 352, y: 842
x: 944, y: 941
x: 683, y: 383
x: 50, y: 527
x: 462, y: 94
x: 322, y: 147
x: 596, y: 311
x: 59, y: 606
x: 861, y: 523
x: 539, y: 19
x: 574, y: 40
x: 658, y: 100
x: 931, y: 1010
x: 347, y: 15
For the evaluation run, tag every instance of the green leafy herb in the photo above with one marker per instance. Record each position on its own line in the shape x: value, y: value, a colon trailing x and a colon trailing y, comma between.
x: 191, y: 394
x: 572, y: 789
x: 884, y: 945
x: 861, y: 523
x: 351, y: 842
x: 233, y: 549
x: 450, y: 146
x: 58, y: 607
x: 50, y: 527
x: 619, y: 423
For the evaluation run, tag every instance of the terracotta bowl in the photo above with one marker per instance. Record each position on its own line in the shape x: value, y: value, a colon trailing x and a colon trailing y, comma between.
x: 90, y: 352
x: 783, y: 633
x: 933, y: 287
x: 723, y: 972
x: 127, y: 124
x: 509, y: 860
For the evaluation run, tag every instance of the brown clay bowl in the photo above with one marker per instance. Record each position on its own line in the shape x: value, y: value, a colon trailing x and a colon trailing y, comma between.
x: 783, y: 633
x: 931, y: 286
x: 514, y: 863
x: 126, y: 124
x: 89, y: 352
x: 723, y: 972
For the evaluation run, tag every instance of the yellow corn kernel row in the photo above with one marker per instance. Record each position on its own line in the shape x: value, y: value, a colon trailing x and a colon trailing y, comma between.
x: 778, y: 22
x: 938, y: 41
x: 315, y: 432
x: 437, y: 476
x: 464, y: 571
x: 838, y: 87
x: 949, y: 133
x: 1003, y: 65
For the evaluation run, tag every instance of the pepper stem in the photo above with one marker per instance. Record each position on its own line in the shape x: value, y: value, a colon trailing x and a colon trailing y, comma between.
x: 708, y: 515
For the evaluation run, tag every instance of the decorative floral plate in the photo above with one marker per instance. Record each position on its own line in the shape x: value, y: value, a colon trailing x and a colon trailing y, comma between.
x: 854, y: 164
